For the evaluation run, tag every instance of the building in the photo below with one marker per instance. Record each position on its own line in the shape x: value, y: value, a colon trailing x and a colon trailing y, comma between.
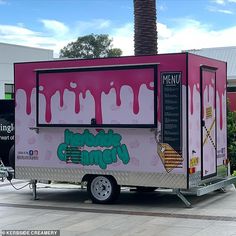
x: 9, y: 54
x: 227, y: 54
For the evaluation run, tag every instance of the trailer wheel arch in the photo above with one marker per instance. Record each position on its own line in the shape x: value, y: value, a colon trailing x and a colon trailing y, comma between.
x: 88, y: 177
x: 109, y: 192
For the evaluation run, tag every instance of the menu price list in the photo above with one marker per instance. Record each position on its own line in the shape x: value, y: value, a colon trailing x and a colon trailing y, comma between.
x: 171, y: 109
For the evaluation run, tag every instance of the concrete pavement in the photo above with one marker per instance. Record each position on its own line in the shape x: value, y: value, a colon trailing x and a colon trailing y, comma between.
x: 67, y: 208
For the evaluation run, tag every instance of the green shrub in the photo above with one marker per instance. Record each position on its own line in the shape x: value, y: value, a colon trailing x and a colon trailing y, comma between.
x: 231, y: 136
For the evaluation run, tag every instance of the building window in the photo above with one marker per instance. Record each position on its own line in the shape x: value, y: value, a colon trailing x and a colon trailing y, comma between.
x: 9, y: 91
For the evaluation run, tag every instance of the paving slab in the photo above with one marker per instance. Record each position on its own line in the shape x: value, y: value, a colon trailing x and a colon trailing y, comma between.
x: 67, y: 208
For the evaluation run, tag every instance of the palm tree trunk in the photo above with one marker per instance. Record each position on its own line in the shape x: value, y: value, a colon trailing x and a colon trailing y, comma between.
x: 145, y: 30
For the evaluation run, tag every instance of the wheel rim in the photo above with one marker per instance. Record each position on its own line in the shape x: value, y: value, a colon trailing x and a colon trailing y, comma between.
x: 101, y: 188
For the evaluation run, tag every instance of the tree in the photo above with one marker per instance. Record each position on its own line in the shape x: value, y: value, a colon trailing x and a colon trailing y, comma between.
x: 91, y: 46
x: 145, y: 29
x: 231, y: 136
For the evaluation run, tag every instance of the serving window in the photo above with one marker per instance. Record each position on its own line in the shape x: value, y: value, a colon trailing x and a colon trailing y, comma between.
x: 97, y: 96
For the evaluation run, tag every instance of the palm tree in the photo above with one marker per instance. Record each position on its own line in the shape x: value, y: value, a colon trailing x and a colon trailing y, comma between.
x: 145, y: 30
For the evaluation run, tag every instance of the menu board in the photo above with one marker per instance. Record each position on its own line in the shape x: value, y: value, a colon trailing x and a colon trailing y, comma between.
x: 171, y: 109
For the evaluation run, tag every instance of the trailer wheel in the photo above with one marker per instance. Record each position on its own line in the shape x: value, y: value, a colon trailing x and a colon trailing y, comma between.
x: 103, y: 189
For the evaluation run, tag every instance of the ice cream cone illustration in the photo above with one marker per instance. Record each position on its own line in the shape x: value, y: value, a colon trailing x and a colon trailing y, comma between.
x: 170, y: 158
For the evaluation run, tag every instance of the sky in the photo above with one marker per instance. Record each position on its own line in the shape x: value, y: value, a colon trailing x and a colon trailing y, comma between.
x: 181, y: 24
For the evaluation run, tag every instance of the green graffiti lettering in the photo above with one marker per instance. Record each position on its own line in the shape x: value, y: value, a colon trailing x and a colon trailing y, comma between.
x: 67, y: 136
x: 107, y: 156
x: 75, y: 156
x: 61, y: 151
x: 95, y: 157
x: 113, y: 155
x: 77, y: 140
x: 102, y: 139
x: 89, y: 138
x: 85, y: 158
x: 116, y: 140
x: 123, y: 154
x: 107, y: 139
x: 70, y: 149
x: 98, y: 140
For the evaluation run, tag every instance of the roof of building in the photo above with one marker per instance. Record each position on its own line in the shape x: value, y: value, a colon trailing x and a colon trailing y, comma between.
x: 23, y: 46
x: 11, y: 53
x: 227, y: 54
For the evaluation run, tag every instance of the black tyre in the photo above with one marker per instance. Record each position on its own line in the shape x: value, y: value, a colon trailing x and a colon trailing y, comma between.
x: 103, y: 189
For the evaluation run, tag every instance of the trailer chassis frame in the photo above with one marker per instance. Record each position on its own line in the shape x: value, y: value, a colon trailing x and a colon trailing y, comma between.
x: 217, y: 184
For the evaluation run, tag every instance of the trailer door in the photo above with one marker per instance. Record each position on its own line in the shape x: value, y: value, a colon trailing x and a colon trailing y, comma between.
x: 208, y: 115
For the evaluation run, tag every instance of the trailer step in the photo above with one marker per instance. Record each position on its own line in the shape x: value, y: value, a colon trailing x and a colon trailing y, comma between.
x: 219, y: 184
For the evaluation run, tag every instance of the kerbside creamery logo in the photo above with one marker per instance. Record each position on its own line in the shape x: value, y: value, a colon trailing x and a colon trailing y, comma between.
x: 87, y: 149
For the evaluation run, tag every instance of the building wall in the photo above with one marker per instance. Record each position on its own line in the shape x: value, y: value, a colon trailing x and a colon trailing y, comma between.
x: 9, y: 54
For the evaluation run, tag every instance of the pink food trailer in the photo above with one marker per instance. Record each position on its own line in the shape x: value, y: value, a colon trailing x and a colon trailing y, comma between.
x: 147, y: 121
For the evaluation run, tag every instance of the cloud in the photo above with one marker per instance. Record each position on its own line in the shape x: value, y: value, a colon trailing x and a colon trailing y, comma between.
x: 3, y: 2
x: 185, y: 34
x: 225, y: 11
x: 195, y: 35
x: 8, y: 30
x: 55, y: 27
x: 53, y: 34
x: 93, y: 26
x: 164, y: 32
x: 215, y: 9
x: 220, y: 2
x: 161, y: 7
x: 123, y: 38
x: 223, y: 2
x: 23, y: 36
